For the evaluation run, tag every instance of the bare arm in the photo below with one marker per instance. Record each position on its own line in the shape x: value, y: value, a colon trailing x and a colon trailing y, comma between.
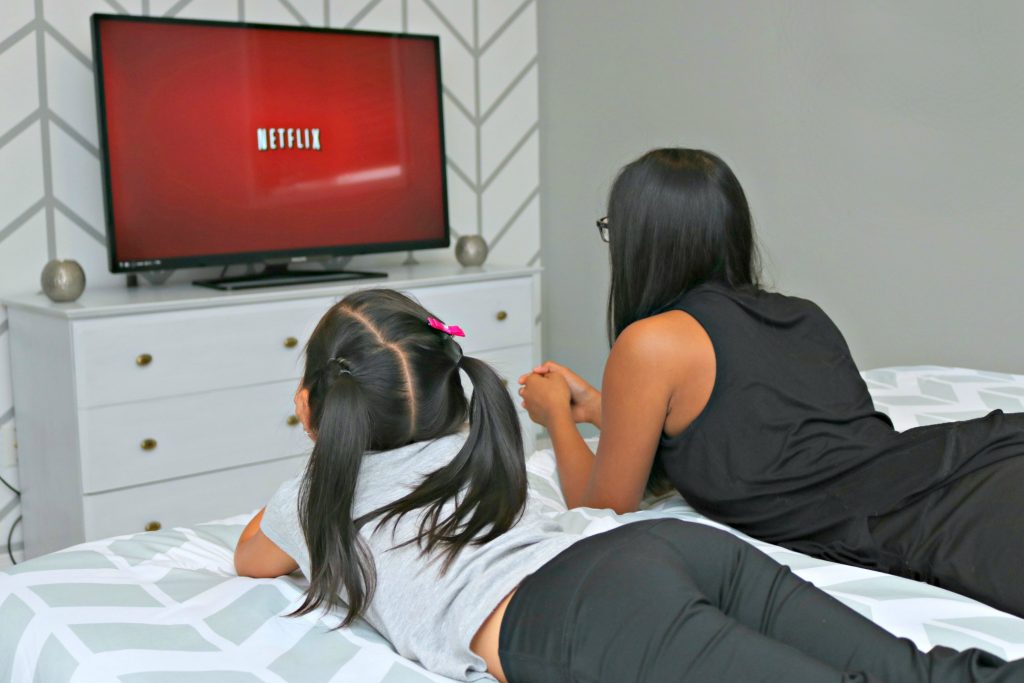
x: 258, y: 557
x: 658, y: 378
x: 574, y: 458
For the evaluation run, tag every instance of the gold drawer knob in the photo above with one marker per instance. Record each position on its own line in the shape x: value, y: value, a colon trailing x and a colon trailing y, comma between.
x: 153, y: 526
x: 143, y: 359
x: 501, y: 315
x: 292, y: 420
x: 290, y: 342
x: 148, y: 444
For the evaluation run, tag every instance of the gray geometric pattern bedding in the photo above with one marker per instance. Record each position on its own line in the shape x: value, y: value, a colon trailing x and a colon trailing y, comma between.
x: 166, y: 606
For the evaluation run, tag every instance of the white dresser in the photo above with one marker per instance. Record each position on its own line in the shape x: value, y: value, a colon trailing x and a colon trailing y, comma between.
x: 164, y: 406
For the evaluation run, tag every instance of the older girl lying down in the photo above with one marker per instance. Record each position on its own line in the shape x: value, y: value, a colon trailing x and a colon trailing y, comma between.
x: 749, y: 403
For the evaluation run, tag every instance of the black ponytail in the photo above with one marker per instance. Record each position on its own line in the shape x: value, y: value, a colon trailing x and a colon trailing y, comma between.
x: 338, y: 557
x: 488, y: 471
x: 379, y: 377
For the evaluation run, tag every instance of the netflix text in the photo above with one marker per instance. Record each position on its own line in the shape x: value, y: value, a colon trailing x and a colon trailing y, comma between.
x: 287, y: 138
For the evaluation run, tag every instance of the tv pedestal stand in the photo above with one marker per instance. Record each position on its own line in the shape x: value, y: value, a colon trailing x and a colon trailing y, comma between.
x: 274, y: 275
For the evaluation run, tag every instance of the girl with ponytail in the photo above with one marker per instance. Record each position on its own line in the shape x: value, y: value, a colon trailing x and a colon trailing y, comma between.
x: 411, y: 513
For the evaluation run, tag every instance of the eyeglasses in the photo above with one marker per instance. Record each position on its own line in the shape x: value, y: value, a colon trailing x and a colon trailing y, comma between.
x: 602, y: 228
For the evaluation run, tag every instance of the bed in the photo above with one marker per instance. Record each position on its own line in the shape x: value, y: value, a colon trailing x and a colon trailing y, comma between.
x: 166, y: 606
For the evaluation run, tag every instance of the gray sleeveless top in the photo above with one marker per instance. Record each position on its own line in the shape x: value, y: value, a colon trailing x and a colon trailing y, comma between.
x: 427, y: 616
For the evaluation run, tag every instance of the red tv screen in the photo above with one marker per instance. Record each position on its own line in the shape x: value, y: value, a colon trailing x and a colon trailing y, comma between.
x: 230, y: 142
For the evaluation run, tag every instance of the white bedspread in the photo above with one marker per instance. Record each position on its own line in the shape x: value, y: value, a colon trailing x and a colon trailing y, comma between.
x: 166, y: 606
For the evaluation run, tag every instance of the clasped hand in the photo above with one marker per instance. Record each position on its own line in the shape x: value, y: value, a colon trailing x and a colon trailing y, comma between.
x: 552, y: 391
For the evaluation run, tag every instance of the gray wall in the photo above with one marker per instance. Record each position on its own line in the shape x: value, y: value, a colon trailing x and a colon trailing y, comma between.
x: 880, y: 145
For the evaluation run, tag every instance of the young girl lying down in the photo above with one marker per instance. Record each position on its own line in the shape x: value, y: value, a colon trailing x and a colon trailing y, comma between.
x: 409, y: 519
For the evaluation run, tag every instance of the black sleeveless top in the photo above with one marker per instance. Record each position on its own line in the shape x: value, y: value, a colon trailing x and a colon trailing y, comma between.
x: 790, y: 449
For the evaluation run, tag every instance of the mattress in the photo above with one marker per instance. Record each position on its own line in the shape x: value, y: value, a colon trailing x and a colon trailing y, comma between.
x: 167, y: 606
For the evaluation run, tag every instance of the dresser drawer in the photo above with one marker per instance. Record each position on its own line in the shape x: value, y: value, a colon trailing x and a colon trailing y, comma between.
x: 494, y: 314
x: 125, y: 359
x: 186, y: 501
x: 165, y: 438
x: 509, y: 364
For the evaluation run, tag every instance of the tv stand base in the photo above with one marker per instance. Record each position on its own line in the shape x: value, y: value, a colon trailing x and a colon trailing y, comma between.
x: 276, y: 276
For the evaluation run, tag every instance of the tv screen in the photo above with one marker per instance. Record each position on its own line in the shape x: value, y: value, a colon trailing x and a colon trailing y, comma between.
x: 225, y: 143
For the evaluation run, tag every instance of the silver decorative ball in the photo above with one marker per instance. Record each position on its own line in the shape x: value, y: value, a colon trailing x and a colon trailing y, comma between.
x: 471, y: 250
x: 63, y: 280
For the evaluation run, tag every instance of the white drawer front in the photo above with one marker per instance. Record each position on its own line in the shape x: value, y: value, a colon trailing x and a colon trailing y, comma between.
x: 164, y: 438
x: 186, y: 501
x: 191, y: 351
x: 493, y: 314
x: 510, y: 364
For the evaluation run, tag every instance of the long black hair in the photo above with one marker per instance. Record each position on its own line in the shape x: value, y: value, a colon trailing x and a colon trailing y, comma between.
x: 677, y: 218
x: 379, y: 378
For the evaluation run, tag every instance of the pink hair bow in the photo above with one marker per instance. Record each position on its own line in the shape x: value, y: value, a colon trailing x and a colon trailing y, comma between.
x: 453, y: 330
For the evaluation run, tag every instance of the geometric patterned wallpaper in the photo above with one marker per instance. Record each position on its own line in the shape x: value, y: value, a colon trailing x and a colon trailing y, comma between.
x: 50, y: 194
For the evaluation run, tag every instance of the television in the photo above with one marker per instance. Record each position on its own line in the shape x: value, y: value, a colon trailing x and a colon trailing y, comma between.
x: 227, y: 143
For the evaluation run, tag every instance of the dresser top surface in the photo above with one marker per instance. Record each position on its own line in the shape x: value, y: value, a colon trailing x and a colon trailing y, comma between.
x: 108, y: 301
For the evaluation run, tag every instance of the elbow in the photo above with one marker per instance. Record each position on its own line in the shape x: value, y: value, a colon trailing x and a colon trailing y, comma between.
x: 240, y: 559
x: 624, y: 508
x: 618, y: 506
x: 245, y: 564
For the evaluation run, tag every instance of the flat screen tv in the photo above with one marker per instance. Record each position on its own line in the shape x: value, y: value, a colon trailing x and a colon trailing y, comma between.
x: 226, y: 143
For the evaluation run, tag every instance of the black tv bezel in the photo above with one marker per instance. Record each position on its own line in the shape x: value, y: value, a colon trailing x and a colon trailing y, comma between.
x: 118, y: 266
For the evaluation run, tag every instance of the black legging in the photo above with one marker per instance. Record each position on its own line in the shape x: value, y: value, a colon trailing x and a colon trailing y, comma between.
x: 666, y: 600
x: 967, y: 537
